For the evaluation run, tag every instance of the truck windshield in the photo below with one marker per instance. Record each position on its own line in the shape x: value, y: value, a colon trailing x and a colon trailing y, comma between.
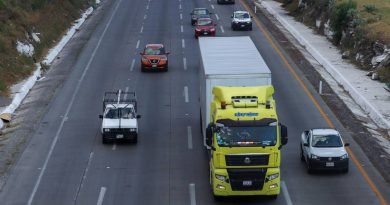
x: 246, y: 136
x: 116, y: 113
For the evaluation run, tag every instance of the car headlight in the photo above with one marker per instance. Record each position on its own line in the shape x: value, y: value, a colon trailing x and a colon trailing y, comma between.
x: 106, y: 130
x: 272, y: 176
x: 345, y: 156
x: 197, y: 29
x: 220, y: 177
x: 144, y: 60
x: 314, y: 156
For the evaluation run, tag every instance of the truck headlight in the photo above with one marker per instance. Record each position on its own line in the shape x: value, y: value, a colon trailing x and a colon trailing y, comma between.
x: 345, y: 156
x: 272, y: 176
x: 133, y: 129
x: 220, y: 177
x: 106, y: 130
x: 314, y: 156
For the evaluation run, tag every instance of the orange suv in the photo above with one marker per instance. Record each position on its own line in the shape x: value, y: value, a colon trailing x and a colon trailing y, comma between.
x: 154, y: 57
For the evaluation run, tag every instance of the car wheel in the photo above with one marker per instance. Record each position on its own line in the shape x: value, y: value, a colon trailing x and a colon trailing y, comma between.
x: 302, y: 157
x: 143, y: 68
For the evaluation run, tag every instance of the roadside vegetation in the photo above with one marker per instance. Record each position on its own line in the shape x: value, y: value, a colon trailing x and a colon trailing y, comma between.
x: 19, y: 19
x: 360, y: 27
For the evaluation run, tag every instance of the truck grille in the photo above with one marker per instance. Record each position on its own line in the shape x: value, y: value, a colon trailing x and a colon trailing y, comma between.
x: 247, y: 179
x: 247, y: 160
x: 329, y: 159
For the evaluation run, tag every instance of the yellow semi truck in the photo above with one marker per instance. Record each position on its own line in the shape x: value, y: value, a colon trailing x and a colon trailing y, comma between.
x: 239, y: 121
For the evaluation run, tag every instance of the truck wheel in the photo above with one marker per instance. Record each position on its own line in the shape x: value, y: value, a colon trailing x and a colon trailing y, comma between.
x: 135, y: 140
x: 273, y: 197
x: 104, y: 140
x: 345, y: 170
x: 217, y: 198
x: 309, y: 168
x: 302, y: 157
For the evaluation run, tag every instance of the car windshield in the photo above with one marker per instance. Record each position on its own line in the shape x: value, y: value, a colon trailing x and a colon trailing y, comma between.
x: 204, y: 22
x: 326, y: 141
x: 154, y: 51
x: 116, y: 113
x: 200, y: 12
x: 246, y: 136
x: 241, y: 15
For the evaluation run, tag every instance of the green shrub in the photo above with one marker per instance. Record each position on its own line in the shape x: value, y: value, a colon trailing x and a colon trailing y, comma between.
x: 342, y: 15
x: 37, y: 4
x: 370, y: 8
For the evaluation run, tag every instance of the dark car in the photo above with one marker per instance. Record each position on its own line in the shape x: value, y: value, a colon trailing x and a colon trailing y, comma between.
x: 154, y: 57
x: 199, y: 13
x: 225, y: 1
x: 205, y: 27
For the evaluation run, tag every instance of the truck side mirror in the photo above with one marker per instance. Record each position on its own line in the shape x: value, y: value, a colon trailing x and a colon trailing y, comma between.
x: 283, y: 134
x: 209, y: 135
x: 138, y: 116
x: 101, y: 116
x: 346, y: 144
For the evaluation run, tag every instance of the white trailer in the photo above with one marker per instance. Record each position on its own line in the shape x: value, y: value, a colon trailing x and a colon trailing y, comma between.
x: 228, y: 61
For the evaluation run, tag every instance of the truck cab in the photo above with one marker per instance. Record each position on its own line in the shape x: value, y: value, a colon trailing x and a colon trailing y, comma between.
x: 244, y: 139
x: 119, y: 118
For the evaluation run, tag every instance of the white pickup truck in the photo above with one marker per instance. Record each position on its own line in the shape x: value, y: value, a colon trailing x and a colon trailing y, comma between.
x: 119, y: 118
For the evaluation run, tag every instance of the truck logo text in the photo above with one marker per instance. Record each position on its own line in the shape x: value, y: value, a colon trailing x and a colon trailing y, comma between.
x: 246, y: 114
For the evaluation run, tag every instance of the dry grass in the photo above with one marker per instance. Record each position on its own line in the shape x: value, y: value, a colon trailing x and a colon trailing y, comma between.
x: 376, y: 14
x: 20, y: 17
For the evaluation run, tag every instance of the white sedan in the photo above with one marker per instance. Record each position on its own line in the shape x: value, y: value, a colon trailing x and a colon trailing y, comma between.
x: 323, y: 149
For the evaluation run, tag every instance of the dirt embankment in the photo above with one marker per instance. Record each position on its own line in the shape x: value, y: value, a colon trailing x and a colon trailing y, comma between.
x: 36, y: 24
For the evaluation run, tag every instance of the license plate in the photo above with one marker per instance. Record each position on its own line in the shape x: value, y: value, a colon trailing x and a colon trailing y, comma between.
x: 330, y: 164
x: 205, y: 33
x: 154, y: 66
x: 246, y: 183
x: 119, y: 136
x: 242, y: 25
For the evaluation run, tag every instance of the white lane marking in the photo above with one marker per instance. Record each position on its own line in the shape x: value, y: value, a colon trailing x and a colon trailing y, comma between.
x: 186, y: 94
x: 147, y: 7
x: 285, y: 193
x: 142, y: 29
x: 185, y: 63
x: 192, y: 194
x: 216, y: 16
x: 53, y: 144
x: 114, y: 147
x: 179, y: 6
x: 137, y: 44
x: 145, y: 16
x: 183, y: 43
x: 181, y: 16
x: 125, y: 96
x: 212, y: 6
x: 189, y: 135
x: 181, y: 28
x: 223, y: 31
x: 101, y: 195
x: 132, y: 65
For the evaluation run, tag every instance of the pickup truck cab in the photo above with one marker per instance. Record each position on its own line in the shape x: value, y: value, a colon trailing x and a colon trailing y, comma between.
x: 119, y: 118
x: 241, y: 20
x: 323, y: 149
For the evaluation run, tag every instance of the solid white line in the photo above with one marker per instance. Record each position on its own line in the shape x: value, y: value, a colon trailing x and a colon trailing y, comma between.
x: 181, y: 28
x: 181, y: 16
x: 132, y: 65
x: 223, y: 31
x: 212, y: 6
x: 137, y: 44
x: 183, y: 44
x: 186, y: 94
x: 285, y: 193
x: 53, y: 144
x: 216, y: 16
x: 189, y: 135
x: 101, y: 195
x: 142, y: 29
x: 192, y: 194
x: 114, y: 147
x: 185, y: 63
x: 145, y: 16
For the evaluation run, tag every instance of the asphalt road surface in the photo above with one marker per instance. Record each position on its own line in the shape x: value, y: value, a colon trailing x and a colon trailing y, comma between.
x: 66, y: 163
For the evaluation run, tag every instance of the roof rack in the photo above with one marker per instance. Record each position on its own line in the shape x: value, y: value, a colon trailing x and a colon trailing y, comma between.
x: 119, y: 97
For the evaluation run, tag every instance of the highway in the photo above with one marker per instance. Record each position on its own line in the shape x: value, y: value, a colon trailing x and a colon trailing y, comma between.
x: 65, y: 162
